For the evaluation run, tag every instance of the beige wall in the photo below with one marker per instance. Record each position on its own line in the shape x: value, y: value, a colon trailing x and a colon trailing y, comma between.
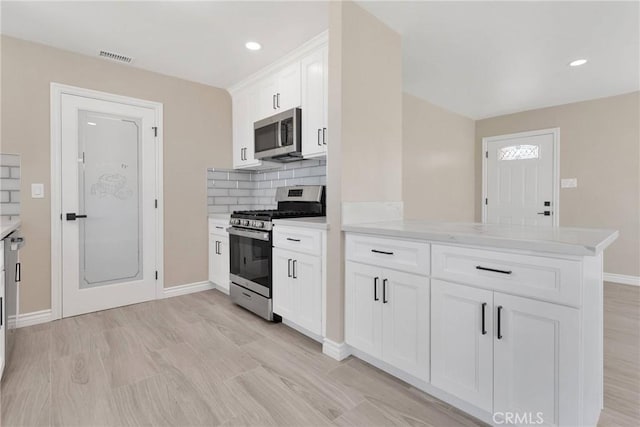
x: 600, y: 146
x: 438, y: 160
x: 197, y: 135
x: 364, y: 160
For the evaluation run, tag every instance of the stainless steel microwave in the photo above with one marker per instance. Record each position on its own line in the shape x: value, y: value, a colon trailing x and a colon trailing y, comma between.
x: 279, y: 138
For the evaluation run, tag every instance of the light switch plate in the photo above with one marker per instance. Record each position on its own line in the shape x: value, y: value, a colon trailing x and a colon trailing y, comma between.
x: 37, y: 191
x: 569, y: 182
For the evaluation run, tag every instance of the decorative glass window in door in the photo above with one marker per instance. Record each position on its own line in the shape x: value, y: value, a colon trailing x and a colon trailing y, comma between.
x: 519, y: 152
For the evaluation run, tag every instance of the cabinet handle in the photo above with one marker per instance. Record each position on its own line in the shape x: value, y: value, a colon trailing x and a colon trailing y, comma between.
x: 381, y: 252
x: 1, y: 313
x: 18, y: 272
x: 484, y: 328
x: 273, y: 102
x: 479, y: 267
x: 292, y: 240
x: 295, y: 272
x: 375, y: 289
x: 278, y: 100
x: 319, y: 131
x: 499, y: 322
x: 219, y: 228
x: 324, y: 136
x: 289, y: 268
x: 384, y: 291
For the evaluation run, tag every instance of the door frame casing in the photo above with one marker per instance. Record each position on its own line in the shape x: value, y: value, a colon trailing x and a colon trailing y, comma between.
x: 57, y: 90
x: 556, y: 167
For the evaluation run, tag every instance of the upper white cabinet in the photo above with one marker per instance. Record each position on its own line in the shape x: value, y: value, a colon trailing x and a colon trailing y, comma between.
x: 314, y: 102
x: 298, y: 80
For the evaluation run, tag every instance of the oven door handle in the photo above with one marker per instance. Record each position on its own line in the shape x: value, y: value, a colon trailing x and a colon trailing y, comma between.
x: 251, y: 234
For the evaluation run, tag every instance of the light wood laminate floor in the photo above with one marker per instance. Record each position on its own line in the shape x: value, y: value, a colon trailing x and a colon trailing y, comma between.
x: 199, y: 360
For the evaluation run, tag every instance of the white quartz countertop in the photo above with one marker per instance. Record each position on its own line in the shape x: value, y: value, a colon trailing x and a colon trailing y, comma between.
x: 319, y: 222
x: 560, y: 240
x: 7, y: 227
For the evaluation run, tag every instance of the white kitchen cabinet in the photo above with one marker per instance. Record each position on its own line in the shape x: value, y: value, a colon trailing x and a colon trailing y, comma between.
x: 387, y: 316
x: 462, y: 342
x: 219, y: 254
x: 535, y: 359
x: 278, y: 92
x: 243, y: 117
x: 3, y: 327
x: 299, y: 276
x: 314, y: 102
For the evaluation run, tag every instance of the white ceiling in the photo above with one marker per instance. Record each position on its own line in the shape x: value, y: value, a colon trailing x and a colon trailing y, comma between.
x: 477, y: 58
x: 198, y: 41
x: 483, y: 59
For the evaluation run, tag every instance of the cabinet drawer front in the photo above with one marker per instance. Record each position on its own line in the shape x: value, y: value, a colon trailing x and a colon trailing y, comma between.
x: 298, y: 239
x: 404, y: 255
x: 550, y: 279
x: 218, y: 227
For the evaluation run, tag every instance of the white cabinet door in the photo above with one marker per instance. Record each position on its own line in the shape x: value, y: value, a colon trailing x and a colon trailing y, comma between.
x: 307, y: 284
x: 363, y: 308
x: 266, y: 98
x: 462, y: 342
x: 314, y: 104
x: 288, y: 93
x: 283, y: 286
x: 3, y: 327
x: 221, y: 267
x: 405, y: 316
x: 535, y: 359
x: 244, y: 115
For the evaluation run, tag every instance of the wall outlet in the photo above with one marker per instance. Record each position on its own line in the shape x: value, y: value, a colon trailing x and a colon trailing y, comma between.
x: 569, y: 182
x: 37, y: 191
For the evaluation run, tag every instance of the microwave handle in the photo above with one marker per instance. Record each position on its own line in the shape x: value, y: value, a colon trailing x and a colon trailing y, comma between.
x: 279, y: 133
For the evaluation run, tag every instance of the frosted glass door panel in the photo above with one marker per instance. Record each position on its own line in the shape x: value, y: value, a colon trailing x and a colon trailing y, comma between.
x: 109, y: 151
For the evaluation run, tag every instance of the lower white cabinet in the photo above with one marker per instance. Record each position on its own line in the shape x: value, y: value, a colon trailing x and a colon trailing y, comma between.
x: 3, y: 327
x: 504, y: 353
x: 297, y: 288
x: 462, y: 342
x: 387, y: 316
x: 219, y: 261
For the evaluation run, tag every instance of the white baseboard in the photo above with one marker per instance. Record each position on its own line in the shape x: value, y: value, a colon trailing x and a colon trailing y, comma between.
x: 621, y: 278
x: 189, y: 288
x: 30, y: 319
x: 303, y: 331
x: 338, y: 351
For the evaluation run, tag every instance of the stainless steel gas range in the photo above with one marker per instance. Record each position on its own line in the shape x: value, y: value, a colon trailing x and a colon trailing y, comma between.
x: 251, y: 245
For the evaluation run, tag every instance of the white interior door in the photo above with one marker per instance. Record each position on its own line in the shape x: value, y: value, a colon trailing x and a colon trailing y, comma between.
x: 520, y: 182
x: 108, y: 173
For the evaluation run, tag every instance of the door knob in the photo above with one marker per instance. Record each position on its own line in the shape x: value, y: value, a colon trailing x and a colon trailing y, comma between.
x: 72, y: 216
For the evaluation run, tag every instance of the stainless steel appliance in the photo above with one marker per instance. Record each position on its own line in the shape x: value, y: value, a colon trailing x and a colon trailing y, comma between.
x: 279, y: 138
x: 12, y: 245
x: 251, y: 245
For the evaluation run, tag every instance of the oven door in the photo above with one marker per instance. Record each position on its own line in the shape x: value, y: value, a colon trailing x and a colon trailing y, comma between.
x: 250, y: 259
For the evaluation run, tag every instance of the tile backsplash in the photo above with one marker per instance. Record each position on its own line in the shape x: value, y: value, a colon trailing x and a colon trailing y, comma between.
x: 233, y: 190
x: 9, y: 185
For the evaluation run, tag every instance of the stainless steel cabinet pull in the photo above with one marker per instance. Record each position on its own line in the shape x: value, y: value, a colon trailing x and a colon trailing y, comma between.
x: 384, y: 291
x: 292, y: 240
x: 72, y: 216
x: 273, y: 101
x: 499, y: 322
x: 484, y: 329
x: 295, y: 269
x: 545, y: 213
x: 375, y: 289
x: 324, y: 136
x: 1, y: 313
x: 319, y: 131
x: 381, y: 252
x: 219, y: 228
x: 278, y: 100
x: 493, y: 270
x: 289, y: 268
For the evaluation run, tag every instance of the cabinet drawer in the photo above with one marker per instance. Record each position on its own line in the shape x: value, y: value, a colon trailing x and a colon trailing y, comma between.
x: 218, y: 227
x: 298, y: 239
x: 404, y: 255
x: 550, y: 279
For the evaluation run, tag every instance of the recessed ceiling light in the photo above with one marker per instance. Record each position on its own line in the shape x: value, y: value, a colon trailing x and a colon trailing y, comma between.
x: 577, y: 62
x: 253, y: 46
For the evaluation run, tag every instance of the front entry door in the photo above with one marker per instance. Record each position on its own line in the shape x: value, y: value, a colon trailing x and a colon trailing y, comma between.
x: 109, y: 185
x: 519, y: 179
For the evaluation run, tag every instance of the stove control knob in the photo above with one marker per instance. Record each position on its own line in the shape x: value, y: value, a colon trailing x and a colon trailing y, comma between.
x: 246, y: 223
x: 259, y: 224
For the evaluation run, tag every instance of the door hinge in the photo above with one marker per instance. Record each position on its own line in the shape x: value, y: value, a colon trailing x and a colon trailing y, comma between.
x: 156, y: 274
x: 156, y: 203
x: 155, y: 131
x: 486, y: 154
x: 486, y: 201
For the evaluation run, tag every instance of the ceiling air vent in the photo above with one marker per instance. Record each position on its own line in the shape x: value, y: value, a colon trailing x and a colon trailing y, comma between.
x: 115, y: 56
